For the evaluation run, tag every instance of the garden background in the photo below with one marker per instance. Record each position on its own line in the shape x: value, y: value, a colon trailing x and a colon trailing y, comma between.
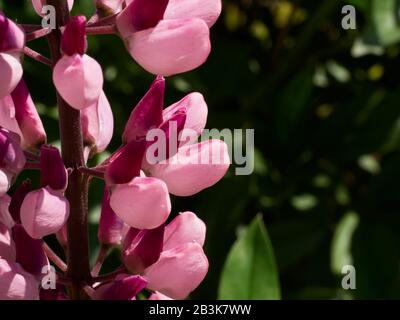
x: 325, y: 106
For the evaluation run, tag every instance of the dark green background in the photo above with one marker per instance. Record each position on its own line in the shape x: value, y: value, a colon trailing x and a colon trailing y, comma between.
x: 327, y: 131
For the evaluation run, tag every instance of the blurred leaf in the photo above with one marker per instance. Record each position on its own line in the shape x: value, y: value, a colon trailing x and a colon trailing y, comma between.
x: 384, y: 16
x: 341, y: 242
x: 250, y: 270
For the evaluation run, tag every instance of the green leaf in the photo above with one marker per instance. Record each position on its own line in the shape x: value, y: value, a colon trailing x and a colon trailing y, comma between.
x: 250, y: 271
x: 384, y: 18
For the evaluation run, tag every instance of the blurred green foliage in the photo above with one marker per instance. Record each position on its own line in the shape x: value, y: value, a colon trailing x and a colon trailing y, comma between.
x: 324, y: 103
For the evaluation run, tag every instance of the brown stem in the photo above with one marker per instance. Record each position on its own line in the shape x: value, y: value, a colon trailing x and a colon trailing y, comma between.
x: 37, y: 56
x: 77, y: 191
x: 109, y: 29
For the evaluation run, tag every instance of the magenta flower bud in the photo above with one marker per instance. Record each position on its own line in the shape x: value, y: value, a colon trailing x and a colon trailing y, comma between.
x: 140, y: 15
x: 17, y: 199
x: 147, y: 114
x: 110, y: 225
x: 16, y: 283
x: 29, y: 122
x: 126, y: 164
x: 12, y: 158
x: 74, y: 36
x: 53, y: 172
x: 195, y: 167
x: 30, y: 253
x: 38, y: 5
x: 124, y: 287
x: 79, y: 80
x: 184, y: 228
x: 5, y: 216
x: 196, y: 111
x: 7, y: 246
x: 44, y: 212
x: 143, y: 203
x: 144, y: 250
x: 12, y: 38
x: 178, y: 271
x: 159, y: 296
x: 97, y: 125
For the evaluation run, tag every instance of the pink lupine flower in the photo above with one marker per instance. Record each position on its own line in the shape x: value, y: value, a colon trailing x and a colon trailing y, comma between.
x: 142, y: 248
x: 14, y: 208
x: 77, y: 77
x: 16, y: 283
x: 27, y: 117
x: 194, y: 168
x: 110, y: 225
x: 147, y: 114
x: 142, y: 203
x: 124, y: 287
x: 44, y: 212
x: 5, y: 216
x: 181, y: 264
x: 97, y: 125
x: 12, y: 40
x: 168, y: 41
x: 38, y: 5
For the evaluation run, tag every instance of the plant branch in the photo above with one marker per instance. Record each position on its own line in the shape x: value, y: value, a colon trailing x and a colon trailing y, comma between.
x: 107, y: 29
x: 77, y: 191
x: 37, y: 34
x: 37, y: 56
x: 55, y: 258
x: 92, y: 172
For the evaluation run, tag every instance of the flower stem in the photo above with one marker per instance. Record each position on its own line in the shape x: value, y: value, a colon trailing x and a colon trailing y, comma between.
x: 37, y: 56
x: 77, y: 191
x: 55, y: 258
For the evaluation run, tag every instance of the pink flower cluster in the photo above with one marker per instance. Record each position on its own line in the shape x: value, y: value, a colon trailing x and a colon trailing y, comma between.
x: 165, y: 259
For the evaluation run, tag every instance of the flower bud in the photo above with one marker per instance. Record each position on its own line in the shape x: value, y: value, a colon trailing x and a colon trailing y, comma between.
x: 30, y: 253
x: 143, y: 203
x: 110, y: 225
x: 53, y: 172
x: 144, y: 250
x: 17, y: 199
x: 97, y: 125
x: 124, y: 287
x: 16, y: 283
x: 74, y: 37
x: 44, y: 212
x: 79, y: 80
x: 30, y: 125
x: 147, y: 114
x: 12, y: 38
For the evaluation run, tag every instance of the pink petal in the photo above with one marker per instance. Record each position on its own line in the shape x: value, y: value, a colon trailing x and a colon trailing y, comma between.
x: 185, y: 228
x: 17, y: 198
x: 5, y: 180
x: 142, y: 203
x: 8, y: 119
x: 79, y: 80
x: 16, y: 283
x: 7, y: 246
x: 5, y: 216
x: 30, y: 125
x: 110, y: 225
x: 178, y: 271
x: 124, y: 287
x: 12, y: 158
x: 196, y: 112
x: 159, y: 296
x: 194, y: 168
x: 208, y: 10
x: 12, y: 37
x: 148, y: 112
x: 11, y: 73
x: 98, y: 125
x: 53, y: 171
x: 43, y: 212
x: 171, y: 47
